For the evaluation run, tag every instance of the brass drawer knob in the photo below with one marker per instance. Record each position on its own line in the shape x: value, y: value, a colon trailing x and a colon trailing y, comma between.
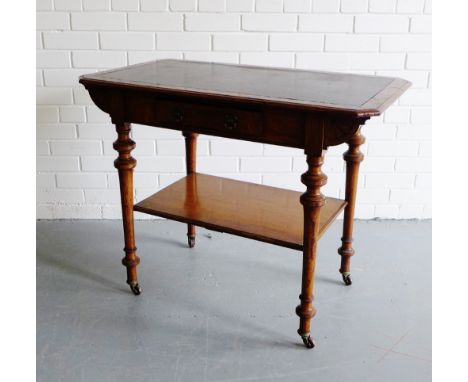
x: 230, y: 122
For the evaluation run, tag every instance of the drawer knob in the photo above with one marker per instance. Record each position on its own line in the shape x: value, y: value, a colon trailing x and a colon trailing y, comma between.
x: 178, y: 115
x: 230, y: 122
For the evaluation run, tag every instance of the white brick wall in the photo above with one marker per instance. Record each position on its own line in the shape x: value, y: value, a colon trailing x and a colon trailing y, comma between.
x: 76, y: 177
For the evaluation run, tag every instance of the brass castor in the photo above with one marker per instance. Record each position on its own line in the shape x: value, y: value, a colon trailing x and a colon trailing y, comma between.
x: 308, y: 341
x: 135, y: 287
x: 347, y: 278
x: 191, y: 241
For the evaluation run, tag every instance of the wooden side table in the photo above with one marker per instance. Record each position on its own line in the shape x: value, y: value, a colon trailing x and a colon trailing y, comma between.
x: 303, y: 109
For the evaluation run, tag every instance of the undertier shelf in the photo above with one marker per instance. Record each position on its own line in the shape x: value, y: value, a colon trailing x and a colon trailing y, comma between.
x: 259, y: 212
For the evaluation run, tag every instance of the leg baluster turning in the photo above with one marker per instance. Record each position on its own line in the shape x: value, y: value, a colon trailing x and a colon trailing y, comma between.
x: 125, y: 165
x: 312, y: 200
x: 353, y: 158
x: 191, y: 162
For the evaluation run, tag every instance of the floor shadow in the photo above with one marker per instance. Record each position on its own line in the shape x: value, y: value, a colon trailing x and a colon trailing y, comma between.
x: 67, y: 267
x: 329, y: 280
x: 180, y: 243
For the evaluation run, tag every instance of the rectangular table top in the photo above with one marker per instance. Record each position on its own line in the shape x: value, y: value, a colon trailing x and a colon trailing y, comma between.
x: 360, y: 95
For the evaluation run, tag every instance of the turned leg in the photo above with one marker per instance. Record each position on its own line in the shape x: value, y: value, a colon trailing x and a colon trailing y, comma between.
x: 125, y: 165
x: 191, y: 162
x: 353, y: 158
x: 312, y: 201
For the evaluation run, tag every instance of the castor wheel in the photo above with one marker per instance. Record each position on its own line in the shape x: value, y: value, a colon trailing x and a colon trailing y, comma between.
x: 347, y: 278
x: 191, y: 241
x: 308, y: 342
x: 135, y: 288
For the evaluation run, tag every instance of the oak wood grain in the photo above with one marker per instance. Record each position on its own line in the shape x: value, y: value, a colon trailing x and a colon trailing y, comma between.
x: 259, y: 212
x: 191, y: 165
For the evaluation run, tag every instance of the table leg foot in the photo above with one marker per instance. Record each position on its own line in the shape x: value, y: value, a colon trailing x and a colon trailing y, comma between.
x: 135, y: 287
x: 191, y: 240
x: 308, y: 340
x: 347, y: 278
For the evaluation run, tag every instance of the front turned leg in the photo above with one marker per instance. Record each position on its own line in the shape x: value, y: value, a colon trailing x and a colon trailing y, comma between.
x: 125, y: 164
x: 312, y: 200
x: 191, y: 163
x: 353, y: 158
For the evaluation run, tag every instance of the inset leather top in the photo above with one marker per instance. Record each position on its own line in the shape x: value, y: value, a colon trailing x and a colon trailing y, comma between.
x: 359, y: 95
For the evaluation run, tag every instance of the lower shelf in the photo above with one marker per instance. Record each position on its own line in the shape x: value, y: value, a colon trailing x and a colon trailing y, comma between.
x: 264, y: 213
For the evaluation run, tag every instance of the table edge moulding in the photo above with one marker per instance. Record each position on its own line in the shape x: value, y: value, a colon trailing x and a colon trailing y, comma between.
x: 310, y: 110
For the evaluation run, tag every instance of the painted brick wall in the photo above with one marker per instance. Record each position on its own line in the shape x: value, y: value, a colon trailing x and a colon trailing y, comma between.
x: 75, y: 174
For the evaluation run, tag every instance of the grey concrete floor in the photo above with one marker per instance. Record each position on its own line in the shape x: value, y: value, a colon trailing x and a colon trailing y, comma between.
x: 224, y: 310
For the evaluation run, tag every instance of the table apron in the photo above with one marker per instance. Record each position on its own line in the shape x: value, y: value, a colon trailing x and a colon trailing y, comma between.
x: 311, y: 131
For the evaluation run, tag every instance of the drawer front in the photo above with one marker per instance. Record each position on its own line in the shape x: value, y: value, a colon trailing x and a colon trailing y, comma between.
x: 209, y: 119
